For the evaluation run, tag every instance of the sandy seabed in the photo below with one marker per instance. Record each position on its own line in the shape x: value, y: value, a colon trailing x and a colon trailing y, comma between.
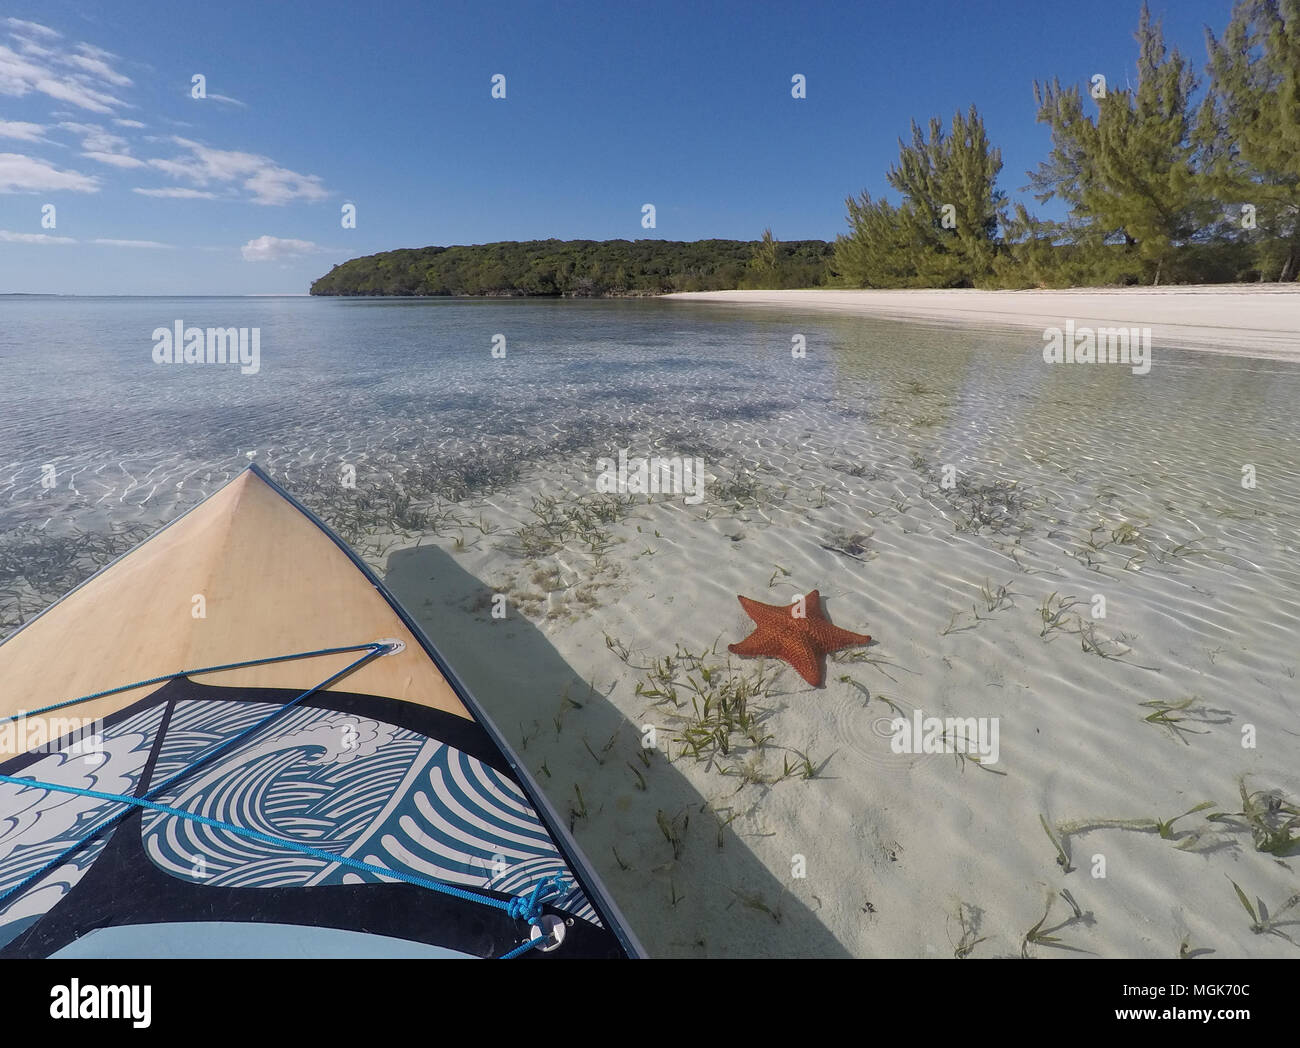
x: 982, y: 599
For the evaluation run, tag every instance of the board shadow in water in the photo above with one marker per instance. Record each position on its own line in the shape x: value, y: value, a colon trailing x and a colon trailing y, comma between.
x: 521, y: 681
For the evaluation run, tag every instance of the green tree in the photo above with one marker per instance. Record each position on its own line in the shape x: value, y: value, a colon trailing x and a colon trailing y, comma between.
x: 877, y: 251
x: 764, y: 269
x: 945, y: 231
x: 1074, y: 251
x: 1249, y: 129
x: 952, y: 206
x: 1130, y: 174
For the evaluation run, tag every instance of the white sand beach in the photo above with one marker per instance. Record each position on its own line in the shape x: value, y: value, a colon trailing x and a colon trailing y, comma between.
x: 1247, y: 320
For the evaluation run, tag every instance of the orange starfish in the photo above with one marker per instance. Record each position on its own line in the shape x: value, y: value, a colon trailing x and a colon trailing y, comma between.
x: 799, y: 640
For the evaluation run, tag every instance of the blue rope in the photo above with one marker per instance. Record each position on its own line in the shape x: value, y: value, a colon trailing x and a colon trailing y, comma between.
x: 523, y: 907
x: 528, y: 908
x: 518, y: 951
x: 282, y: 842
x: 372, y: 651
x: 192, y: 673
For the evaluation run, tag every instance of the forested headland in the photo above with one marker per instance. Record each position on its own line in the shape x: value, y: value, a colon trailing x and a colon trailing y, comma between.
x: 1185, y: 176
x: 582, y: 268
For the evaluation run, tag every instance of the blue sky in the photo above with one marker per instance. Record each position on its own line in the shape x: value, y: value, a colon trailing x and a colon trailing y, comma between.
x: 387, y: 105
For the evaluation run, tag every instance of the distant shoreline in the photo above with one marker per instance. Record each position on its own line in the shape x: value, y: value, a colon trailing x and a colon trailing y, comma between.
x: 1255, y: 320
x: 77, y: 294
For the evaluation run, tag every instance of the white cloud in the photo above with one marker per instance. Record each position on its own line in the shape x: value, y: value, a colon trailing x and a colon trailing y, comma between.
x: 33, y: 238
x: 277, y: 185
x: 20, y: 75
x: 180, y: 169
x: 25, y: 35
x: 31, y: 47
x: 102, y: 146
x: 35, y: 28
x: 95, y: 138
x: 23, y: 131
x: 79, y: 75
x: 36, y: 59
x: 76, y: 92
x: 129, y: 243
x: 94, y: 60
x: 262, y: 177
x: 25, y: 174
x: 273, y: 249
x: 115, y: 159
x: 177, y: 194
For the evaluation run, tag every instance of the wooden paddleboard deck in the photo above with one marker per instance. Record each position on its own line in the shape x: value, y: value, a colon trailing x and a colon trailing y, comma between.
x: 270, y: 799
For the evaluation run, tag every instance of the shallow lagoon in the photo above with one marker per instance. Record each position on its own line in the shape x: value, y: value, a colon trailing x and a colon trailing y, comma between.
x: 476, y: 476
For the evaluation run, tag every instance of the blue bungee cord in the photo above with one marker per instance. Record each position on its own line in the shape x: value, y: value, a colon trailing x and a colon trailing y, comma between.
x: 525, y: 907
x: 529, y: 908
x: 372, y: 651
x: 194, y: 673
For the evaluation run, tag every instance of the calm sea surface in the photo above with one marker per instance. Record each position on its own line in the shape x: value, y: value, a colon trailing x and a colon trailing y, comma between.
x: 403, y: 382
x: 92, y: 430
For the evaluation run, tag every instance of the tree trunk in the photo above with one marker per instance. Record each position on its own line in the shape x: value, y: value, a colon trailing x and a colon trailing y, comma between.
x: 1288, y: 267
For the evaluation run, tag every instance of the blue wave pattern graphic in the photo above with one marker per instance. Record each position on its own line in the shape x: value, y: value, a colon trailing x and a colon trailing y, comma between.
x: 38, y: 825
x: 350, y: 786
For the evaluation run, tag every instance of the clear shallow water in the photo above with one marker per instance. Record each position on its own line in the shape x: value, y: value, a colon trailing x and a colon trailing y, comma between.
x: 846, y: 444
x: 390, y: 386
x: 356, y: 380
x: 404, y: 382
